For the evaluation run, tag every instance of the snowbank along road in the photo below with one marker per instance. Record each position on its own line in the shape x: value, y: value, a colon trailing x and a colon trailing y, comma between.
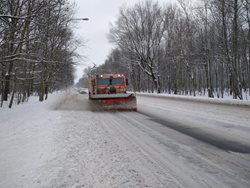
x: 66, y: 142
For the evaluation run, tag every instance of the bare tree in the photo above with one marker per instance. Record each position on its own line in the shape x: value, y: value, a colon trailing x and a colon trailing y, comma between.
x: 36, y: 46
x: 139, y: 32
x: 185, y: 49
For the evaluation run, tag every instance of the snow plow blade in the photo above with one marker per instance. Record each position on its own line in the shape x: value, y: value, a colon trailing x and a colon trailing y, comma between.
x: 124, y: 101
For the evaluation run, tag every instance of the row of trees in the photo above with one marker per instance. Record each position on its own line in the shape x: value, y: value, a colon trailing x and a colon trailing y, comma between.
x: 183, y: 49
x: 36, y: 48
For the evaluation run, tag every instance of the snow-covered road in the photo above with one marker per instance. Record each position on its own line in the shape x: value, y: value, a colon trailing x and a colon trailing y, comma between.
x: 222, y: 125
x: 167, y: 143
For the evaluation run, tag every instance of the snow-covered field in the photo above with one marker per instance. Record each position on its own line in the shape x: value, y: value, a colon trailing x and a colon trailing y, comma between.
x: 63, y: 143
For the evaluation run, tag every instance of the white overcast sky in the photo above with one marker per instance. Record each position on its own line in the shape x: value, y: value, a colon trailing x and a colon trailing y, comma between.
x: 100, y: 13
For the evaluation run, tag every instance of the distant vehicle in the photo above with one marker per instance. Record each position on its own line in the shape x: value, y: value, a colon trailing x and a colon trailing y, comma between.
x: 83, y: 91
x: 110, y: 91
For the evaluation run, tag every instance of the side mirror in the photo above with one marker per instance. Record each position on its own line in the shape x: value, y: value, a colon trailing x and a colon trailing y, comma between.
x: 126, y: 81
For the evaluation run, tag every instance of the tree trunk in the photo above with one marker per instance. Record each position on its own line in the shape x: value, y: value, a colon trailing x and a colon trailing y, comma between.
x: 14, y: 89
x: 237, y: 85
x: 41, y: 91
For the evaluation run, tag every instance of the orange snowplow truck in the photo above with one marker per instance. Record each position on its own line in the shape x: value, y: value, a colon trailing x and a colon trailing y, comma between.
x: 110, y: 91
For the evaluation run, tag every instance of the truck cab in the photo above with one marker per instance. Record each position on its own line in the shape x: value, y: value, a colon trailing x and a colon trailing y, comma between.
x: 108, y: 84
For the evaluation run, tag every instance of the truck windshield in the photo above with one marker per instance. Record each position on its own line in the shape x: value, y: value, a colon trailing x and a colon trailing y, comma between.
x: 110, y: 82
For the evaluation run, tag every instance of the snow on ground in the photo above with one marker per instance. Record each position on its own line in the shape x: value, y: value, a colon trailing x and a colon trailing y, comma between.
x: 229, y: 122
x: 26, y: 135
x: 63, y: 143
x: 60, y: 143
x: 203, y: 99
